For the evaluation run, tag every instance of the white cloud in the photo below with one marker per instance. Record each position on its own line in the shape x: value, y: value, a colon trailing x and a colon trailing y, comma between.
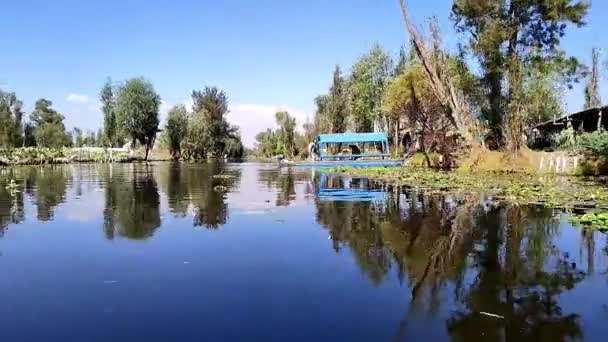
x: 254, y: 118
x: 77, y: 98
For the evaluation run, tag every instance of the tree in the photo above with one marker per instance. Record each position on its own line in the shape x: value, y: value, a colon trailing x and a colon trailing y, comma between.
x: 78, y: 138
x: 321, y: 119
x: 211, y: 107
x: 29, y: 139
x: 410, y: 96
x: 434, y: 61
x: 266, y: 143
x: 90, y: 139
x: 49, y: 130
x: 592, y: 88
x: 137, y: 105
x: 368, y: 78
x: 286, y: 134
x: 543, y: 87
x: 234, y: 147
x: 11, y: 116
x: 337, y: 106
x: 176, y: 129
x: 196, y: 141
x: 108, y: 103
x: 100, y: 139
x: 505, y: 36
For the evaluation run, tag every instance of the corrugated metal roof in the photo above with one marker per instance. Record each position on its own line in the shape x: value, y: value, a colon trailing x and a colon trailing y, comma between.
x: 351, y: 138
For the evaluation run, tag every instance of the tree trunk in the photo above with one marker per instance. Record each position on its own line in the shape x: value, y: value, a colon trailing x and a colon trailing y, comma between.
x: 457, y: 111
x: 396, y: 138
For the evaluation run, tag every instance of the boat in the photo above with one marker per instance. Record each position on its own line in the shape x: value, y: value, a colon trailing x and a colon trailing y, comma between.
x: 378, y: 140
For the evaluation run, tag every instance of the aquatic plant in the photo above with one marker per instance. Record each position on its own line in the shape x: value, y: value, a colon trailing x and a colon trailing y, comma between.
x: 594, y: 220
x: 547, y: 191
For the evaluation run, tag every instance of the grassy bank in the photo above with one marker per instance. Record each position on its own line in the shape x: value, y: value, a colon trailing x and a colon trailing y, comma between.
x: 41, y: 156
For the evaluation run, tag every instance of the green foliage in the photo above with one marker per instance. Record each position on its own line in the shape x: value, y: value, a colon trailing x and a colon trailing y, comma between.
x: 137, y: 105
x: 77, y: 136
x: 111, y: 134
x: 595, y: 220
x: 48, y: 127
x: 508, y: 37
x: 176, y: 129
x: 544, y: 83
x: 284, y: 141
x: 11, y: 116
x: 266, y: 143
x: 212, y: 128
x: 234, y: 148
x: 595, y: 143
x: 195, y: 144
x: 366, y: 84
x: 28, y: 135
x: 51, y: 135
x: 286, y: 134
x: 333, y: 109
x: 566, y: 139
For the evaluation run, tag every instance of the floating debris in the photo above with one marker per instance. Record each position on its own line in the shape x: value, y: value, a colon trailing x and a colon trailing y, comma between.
x: 220, y: 188
x: 492, y: 315
x: 223, y: 176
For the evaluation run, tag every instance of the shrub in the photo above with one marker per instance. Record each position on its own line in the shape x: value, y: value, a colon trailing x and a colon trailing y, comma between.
x: 595, y: 143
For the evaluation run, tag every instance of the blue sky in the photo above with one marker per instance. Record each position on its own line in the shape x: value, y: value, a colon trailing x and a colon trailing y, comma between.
x: 265, y: 54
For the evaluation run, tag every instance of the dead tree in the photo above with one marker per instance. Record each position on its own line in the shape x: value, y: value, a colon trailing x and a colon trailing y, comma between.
x: 434, y: 63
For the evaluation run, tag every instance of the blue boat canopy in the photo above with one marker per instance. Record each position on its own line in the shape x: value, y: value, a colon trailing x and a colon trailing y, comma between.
x: 344, y: 138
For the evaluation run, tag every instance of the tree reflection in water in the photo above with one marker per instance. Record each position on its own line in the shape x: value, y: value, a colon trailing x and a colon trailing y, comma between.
x: 131, y: 202
x: 497, y: 259
x: 47, y: 187
x: 283, y: 181
x: 198, y: 186
x: 11, y: 199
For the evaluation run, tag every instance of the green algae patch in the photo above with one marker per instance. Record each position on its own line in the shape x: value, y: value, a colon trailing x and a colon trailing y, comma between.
x: 546, y: 190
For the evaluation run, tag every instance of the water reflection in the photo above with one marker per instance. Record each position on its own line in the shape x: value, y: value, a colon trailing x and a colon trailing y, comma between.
x: 201, y: 188
x: 11, y: 201
x: 284, y: 182
x: 485, y: 271
x: 131, y: 203
x: 497, y: 260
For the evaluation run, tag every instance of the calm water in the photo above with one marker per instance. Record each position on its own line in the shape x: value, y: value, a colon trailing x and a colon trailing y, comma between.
x: 169, y: 252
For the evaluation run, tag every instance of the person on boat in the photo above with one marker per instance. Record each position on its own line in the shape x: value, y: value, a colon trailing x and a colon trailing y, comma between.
x: 313, y: 151
x: 355, y: 151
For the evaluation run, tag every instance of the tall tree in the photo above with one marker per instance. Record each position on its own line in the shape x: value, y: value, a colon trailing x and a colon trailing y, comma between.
x: 78, y: 138
x: 321, y: 120
x: 108, y: 103
x: 11, y: 116
x: 368, y: 79
x: 504, y: 36
x: 211, y: 104
x: 137, y: 105
x: 338, y: 107
x: 286, y: 133
x: 266, y: 143
x: 592, y: 88
x: 176, y: 129
x: 49, y: 130
x: 29, y: 139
